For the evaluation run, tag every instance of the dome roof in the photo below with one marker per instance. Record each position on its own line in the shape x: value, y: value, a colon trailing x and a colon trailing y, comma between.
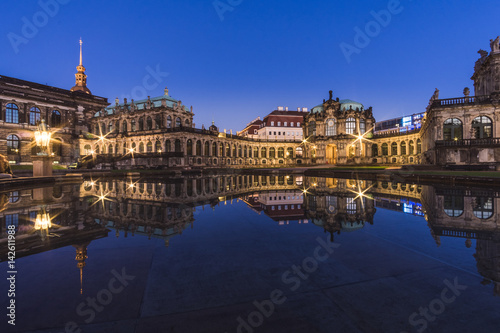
x: 352, y: 226
x: 346, y: 104
x: 317, y: 109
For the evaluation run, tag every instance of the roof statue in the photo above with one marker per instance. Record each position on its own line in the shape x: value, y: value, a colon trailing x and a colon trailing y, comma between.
x: 495, y: 45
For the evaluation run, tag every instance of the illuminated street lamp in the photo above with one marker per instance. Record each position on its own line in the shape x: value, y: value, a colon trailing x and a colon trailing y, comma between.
x: 42, y: 161
x: 42, y: 138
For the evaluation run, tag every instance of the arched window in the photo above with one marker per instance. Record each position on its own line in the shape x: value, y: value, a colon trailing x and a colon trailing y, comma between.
x: 141, y: 124
x: 169, y: 122
x: 240, y: 152
x: 311, y: 129
x: 350, y: 125
x: 186, y: 122
x: 178, y: 122
x: 419, y: 146
x: 158, y: 122
x: 124, y: 126
x: 452, y: 129
x: 394, y: 148
x: 56, y: 147
x: 207, y: 148
x: 403, y: 148
x: 234, y: 151
x: 158, y: 146
x: 34, y: 115
x: 110, y: 127
x: 13, y: 144
x: 272, y: 152
x: 256, y: 152
x: 385, y: 149
x: 149, y: 147
x: 132, y: 125
x: 483, y: 207
x: 362, y: 126
x: 12, y: 113
x: 221, y: 149
x: 482, y: 127
x: 289, y: 152
x: 330, y: 127
x: 111, y: 149
x: 87, y: 149
x: 214, y: 149
x: 453, y: 205
x: 55, y: 118
x: 374, y: 150
x: 198, y: 148
x: 263, y: 152
x: 299, y: 152
x: 228, y: 150
x: 133, y: 147
x: 141, y: 147
x: 189, y: 147
x: 149, y: 123
x: 281, y: 152
x: 168, y: 148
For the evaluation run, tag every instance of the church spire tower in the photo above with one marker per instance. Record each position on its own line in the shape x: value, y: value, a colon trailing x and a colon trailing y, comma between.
x: 81, y: 77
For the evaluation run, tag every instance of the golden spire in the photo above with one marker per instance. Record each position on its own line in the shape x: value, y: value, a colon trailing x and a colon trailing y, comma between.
x: 80, y: 76
x: 81, y: 51
x: 81, y: 255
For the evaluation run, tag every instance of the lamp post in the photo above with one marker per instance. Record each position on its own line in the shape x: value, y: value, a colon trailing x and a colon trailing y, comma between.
x: 42, y: 161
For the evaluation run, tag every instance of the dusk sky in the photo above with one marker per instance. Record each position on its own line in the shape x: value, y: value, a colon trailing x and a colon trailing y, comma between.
x: 235, y: 60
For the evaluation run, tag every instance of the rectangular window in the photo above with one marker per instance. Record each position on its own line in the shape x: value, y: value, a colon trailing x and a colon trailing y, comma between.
x: 285, y: 123
x: 279, y: 123
x: 291, y: 124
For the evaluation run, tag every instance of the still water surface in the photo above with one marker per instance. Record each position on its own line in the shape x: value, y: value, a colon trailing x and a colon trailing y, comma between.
x: 251, y: 254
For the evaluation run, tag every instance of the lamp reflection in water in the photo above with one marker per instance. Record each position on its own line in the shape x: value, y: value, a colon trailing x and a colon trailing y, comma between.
x: 43, y: 223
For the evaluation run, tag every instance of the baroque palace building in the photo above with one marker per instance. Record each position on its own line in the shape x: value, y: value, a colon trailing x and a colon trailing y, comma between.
x: 160, y: 132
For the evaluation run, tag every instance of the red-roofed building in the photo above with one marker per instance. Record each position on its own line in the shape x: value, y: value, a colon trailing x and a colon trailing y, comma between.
x: 283, y: 125
x: 251, y: 130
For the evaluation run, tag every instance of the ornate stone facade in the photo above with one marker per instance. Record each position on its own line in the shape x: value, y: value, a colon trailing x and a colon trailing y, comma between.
x: 466, y: 130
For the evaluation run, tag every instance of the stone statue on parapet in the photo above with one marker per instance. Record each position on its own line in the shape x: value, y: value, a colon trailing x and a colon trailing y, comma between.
x: 436, y: 94
x: 483, y: 53
x: 5, y: 167
x: 495, y: 45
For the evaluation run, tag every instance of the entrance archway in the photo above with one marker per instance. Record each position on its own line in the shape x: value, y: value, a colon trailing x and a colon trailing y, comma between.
x: 331, y: 154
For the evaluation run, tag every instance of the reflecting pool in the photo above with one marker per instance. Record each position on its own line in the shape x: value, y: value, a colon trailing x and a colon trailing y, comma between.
x: 250, y: 253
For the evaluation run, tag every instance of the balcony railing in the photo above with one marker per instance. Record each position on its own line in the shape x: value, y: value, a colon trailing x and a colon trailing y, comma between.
x: 461, y: 101
x: 469, y: 142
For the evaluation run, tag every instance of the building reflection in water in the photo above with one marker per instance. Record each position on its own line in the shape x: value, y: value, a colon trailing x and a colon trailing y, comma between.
x: 156, y: 208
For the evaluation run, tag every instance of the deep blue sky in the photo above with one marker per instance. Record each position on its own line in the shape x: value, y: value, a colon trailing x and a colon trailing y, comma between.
x: 263, y: 54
